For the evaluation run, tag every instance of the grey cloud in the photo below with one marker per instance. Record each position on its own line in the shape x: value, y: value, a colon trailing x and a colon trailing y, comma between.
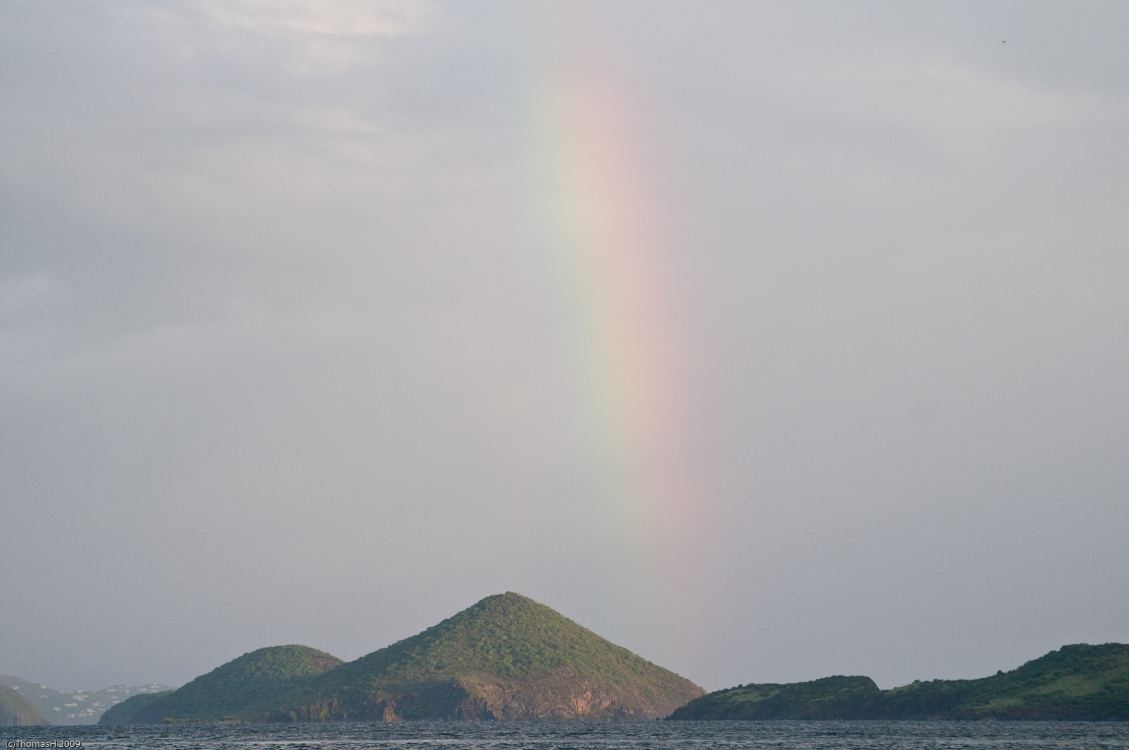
x: 286, y: 354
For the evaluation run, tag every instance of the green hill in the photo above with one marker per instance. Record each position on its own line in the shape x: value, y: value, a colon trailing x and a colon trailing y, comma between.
x: 16, y: 710
x: 222, y: 694
x: 132, y: 710
x: 506, y: 657
x: 1078, y: 682
x: 827, y: 698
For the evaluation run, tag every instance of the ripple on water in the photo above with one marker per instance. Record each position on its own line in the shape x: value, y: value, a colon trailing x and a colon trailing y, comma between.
x: 655, y: 735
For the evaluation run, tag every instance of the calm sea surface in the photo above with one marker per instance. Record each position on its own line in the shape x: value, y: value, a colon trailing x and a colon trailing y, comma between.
x: 819, y: 735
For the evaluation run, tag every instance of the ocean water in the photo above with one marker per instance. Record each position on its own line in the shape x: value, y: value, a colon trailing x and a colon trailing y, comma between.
x: 657, y: 735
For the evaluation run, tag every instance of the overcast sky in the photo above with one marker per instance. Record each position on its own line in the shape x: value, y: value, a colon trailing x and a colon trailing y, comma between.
x: 308, y: 333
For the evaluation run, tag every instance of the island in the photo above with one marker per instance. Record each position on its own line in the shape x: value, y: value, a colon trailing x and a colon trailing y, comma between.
x: 506, y: 657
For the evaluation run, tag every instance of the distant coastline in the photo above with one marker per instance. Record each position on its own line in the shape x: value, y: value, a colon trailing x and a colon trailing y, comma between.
x: 1078, y: 682
x: 508, y: 657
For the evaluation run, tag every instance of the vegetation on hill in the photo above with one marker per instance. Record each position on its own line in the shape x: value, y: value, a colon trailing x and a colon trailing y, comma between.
x: 826, y: 698
x: 1075, y: 682
x: 1079, y: 682
x: 132, y: 710
x: 16, y: 710
x: 506, y: 657
x: 221, y: 694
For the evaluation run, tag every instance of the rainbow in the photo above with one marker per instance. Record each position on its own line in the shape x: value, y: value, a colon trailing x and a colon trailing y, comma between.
x: 602, y: 227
